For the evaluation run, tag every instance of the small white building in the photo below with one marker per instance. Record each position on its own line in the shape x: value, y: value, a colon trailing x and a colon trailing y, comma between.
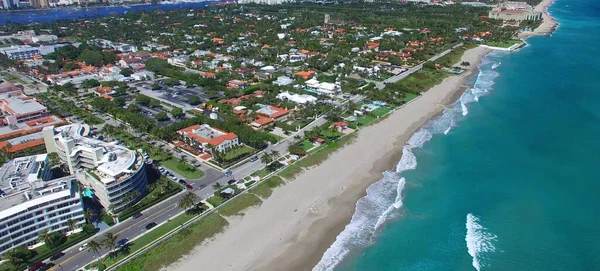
x: 297, y: 98
x: 323, y: 88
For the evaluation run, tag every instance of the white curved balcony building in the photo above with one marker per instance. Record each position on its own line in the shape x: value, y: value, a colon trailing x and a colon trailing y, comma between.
x: 108, y: 169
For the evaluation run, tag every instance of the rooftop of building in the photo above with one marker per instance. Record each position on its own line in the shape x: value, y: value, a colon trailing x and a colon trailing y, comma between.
x: 115, y: 162
x: 21, y: 182
x: 32, y: 126
x: 206, y: 134
x: 273, y: 111
x: 17, y: 103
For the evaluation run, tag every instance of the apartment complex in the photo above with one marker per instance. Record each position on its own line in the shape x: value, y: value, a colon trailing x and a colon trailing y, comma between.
x: 30, y: 202
x: 204, y: 136
x: 515, y: 11
x: 107, y: 170
x: 107, y: 44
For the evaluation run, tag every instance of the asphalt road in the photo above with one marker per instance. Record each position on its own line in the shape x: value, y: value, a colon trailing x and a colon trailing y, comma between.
x: 130, y: 228
x: 203, y: 187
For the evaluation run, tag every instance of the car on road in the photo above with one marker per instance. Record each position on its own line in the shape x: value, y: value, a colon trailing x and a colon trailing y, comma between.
x: 57, y: 256
x: 201, y: 186
x: 136, y: 215
x: 83, y: 247
x: 253, y: 159
x: 122, y: 242
x: 151, y: 225
x: 228, y: 173
x: 232, y: 181
x: 189, y: 186
x: 36, y: 266
x: 47, y: 266
x: 182, y: 182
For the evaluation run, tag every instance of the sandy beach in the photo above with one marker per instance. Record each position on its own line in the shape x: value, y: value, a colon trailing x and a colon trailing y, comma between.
x: 548, y: 25
x: 292, y: 229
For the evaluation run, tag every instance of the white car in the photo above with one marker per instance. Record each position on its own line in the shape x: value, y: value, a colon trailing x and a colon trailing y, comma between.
x: 83, y: 247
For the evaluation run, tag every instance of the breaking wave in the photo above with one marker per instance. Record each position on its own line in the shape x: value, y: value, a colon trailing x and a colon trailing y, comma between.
x: 384, y: 198
x: 479, y: 241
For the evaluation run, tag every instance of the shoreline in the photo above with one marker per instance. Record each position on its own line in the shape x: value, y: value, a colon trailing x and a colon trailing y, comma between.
x: 548, y: 25
x: 293, y: 228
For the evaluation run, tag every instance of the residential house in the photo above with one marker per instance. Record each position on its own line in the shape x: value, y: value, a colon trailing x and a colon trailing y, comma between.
x: 205, y: 137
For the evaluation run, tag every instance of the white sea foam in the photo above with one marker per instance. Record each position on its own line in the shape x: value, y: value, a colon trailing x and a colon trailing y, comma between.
x: 479, y: 241
x: 496, y: 65
x: 384, y: 198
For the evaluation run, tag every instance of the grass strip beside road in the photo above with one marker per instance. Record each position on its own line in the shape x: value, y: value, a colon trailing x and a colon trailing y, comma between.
x: 237, y: 205
x: 265, y: 188
x: 146, y: 239
x: 179, y: 245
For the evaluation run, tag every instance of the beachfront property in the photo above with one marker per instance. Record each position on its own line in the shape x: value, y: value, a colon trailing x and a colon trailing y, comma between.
x: 515, y: 11
x: 31, y: 202
x: 203, y: 137
x: 107, y: 170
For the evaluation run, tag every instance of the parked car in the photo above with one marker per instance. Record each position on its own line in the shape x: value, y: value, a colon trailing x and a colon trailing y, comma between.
x: 47, y: 266
x: 136, y: 215
x: 232, y: 181
x: 122, y: 242
x: 151, y: 225
x: 57, y: 256
x: 189, y: 186
x: 83, y: 247
x: 182, y: 182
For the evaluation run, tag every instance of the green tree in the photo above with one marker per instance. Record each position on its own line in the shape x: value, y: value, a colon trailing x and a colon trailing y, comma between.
x: 119, y: 101
x: 217, y: 186
x: 93, y: 58
x: 194, y: 100
x: 187, y: 201
x: 177, y: 112
x: 44, y: 236
x: 143, y: 99
x: 88, y: 215
x: 154, y: 103
x: 95, y: 247
x: 126, y: 72
x: 162, y: 116
x: 110, y: 241
x: 71, y: 224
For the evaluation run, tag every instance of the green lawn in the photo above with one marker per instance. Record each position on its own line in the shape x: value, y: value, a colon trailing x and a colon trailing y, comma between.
x: 365, y: 120
x: 380, y: 111
x: 216, y: 200
x: 306, y: 145
x: 183, y: 168
x: 260, y: 173
x: 237, y: 152
x: 410, y: 96
x: 290, y: 172
x: 265, y: 189
x: 319, y: 156
x: 237, y: 205
x: 179, y: 245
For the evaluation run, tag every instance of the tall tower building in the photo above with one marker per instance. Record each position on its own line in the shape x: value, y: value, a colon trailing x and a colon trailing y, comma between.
x: 326, y: 19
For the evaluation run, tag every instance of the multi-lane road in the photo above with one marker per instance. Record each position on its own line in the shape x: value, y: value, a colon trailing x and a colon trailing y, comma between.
x: 74, y: 259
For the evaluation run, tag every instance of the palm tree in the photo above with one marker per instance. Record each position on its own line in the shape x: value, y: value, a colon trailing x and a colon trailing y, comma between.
x: 266, y: 158
x: 88, y: 215
x: 13, y: 257
x: 94, y: 246
x: 217, y: 186
x: 274, y: 155
x: 111, y: 208
x: 187, y: 201
x: 45, y: 237
x: 110, y: 241
x: 71, y: 224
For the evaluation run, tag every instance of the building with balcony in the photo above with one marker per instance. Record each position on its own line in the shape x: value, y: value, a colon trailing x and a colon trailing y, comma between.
x: 30, y: 202
x: 109, y: 171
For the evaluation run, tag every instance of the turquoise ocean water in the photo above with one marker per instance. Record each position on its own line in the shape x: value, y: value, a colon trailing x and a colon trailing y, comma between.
x: 508, y: 179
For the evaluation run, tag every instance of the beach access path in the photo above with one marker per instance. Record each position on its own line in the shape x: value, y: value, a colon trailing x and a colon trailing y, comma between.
x: 292, y: 229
